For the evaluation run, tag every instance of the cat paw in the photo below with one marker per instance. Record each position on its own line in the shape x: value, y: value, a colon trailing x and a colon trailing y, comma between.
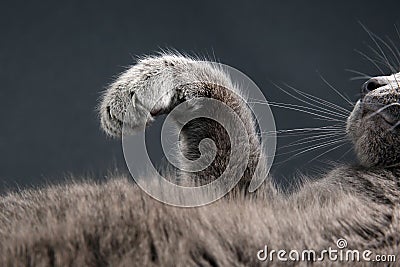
x: 146, y: 90
x: 152, y: 87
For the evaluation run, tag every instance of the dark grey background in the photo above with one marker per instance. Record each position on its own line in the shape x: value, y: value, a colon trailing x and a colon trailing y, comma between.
x: 56, y: 57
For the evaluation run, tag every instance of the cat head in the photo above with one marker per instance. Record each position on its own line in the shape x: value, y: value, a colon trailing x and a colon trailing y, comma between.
x: 374, y: 123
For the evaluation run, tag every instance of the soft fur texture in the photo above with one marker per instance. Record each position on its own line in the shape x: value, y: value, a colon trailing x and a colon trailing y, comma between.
x: 116, y: 224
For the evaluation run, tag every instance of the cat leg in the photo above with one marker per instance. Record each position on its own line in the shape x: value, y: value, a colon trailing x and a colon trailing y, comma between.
x: 156, y: 85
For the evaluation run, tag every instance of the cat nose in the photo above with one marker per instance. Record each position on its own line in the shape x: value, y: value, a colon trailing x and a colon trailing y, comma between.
x: 372, y: 84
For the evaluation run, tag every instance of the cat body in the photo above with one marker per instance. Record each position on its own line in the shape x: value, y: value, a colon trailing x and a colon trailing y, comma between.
x: 116, y: 224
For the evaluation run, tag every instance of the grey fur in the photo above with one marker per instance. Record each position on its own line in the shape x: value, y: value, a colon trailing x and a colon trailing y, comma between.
x: 116, y: 224
x: 370, y: 125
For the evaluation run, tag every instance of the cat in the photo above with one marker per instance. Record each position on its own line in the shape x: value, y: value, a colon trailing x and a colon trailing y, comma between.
x: 116, y: 224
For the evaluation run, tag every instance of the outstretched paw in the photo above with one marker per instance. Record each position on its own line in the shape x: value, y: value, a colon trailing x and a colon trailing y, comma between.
x: 150, y: 88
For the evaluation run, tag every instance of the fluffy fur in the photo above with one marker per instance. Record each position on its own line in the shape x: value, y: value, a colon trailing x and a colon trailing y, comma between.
x: 116, y: 224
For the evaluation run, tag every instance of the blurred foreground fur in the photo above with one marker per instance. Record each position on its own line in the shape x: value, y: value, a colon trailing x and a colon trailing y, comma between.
x: 116, y: 224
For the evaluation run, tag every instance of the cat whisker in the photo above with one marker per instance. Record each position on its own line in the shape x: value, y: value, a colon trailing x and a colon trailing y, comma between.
x: 310, y: 147
x: 336, y: 91
x: 322, y: 119
x: 373, y: 38
x: 326, y: 152
x: 373, y: 61
x: 398, y: 34
x: 374, y: 103
x: 318, y: 100
x: 308, y: 112
x: 356, y: 78
x: 304, y: 131
x: 311, y: 139
x: 323, y: 128
x: 394, y: 126
x: 324, y: 111
x: 382, y: 59
x: 389, y: 47
x: 321, y: 145
x: 303, y: 134
x: 347, y: 152
x: 363, y: 75
x: 396, y: 51
x: 382, y: 109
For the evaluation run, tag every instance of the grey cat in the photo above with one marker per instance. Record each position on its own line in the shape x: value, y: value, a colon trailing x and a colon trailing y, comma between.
x: 116, y: 224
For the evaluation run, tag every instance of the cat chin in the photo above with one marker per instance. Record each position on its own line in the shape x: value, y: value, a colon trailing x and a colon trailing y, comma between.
x: 370, y: 137
x: 353, y: 122
x: 374, y: 148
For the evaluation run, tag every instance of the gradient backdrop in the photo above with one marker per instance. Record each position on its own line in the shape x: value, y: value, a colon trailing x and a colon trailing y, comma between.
x: 57, y: 57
